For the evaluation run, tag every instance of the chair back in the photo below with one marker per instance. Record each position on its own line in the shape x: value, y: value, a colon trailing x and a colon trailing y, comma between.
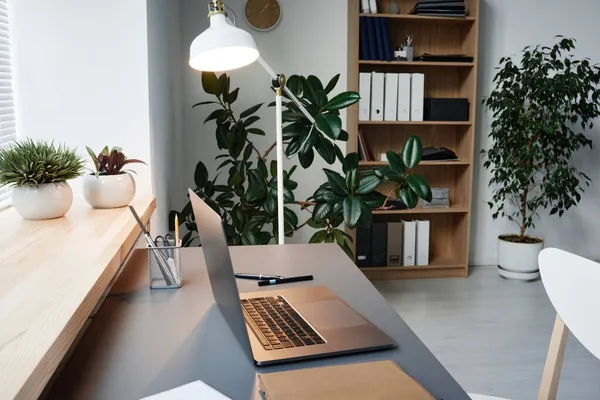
x: 573, y: 286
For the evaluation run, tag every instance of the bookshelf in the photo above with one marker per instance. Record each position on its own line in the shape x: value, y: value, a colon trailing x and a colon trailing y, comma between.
x: 450, y: 227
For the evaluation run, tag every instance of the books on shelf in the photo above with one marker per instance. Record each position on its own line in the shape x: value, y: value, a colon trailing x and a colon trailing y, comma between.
x: 375, y: 40
x: 440, y: 8
x: 365, y: 152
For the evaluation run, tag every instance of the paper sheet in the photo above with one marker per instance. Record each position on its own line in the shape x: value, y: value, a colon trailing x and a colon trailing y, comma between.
x: 194, y: 390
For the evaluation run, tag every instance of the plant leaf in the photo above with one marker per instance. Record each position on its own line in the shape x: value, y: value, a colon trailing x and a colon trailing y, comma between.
x: 408, y: 197
x: 336, y: 182
x: 325, y: 149
x: 210, y: 83
x: 306, y: 158
x: 368, y: 184
x: 203, y: 103
x: 396, y: 163
x: 352, y: 211
x: 342, y: 101
x: 321, y: 211
x: 256, y: 131
x: 418, y: 185
x: 323, y: 125
x: 332, y: 83
x: 200, y: 175
x: 335, y: 123
x: 294, y: 84
x: 412, y: 152
x: 318, y: 237
x: 251, y: 110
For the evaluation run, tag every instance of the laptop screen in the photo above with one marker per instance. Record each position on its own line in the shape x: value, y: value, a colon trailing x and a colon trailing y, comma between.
x: 220, y: 269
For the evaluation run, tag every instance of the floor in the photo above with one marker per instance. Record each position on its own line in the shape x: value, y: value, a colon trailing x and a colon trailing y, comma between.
x: 492, y: 334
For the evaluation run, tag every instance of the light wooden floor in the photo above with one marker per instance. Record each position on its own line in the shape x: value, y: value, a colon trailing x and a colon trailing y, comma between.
x: 492, y: 334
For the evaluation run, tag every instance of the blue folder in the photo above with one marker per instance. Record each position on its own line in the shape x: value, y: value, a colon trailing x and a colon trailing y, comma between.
x: 387, y: 42
x: 364, y: 39
x: 371, y: 34
x: 380, y: 40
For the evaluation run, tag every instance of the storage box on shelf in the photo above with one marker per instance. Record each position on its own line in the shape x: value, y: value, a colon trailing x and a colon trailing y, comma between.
x: 449, y: 245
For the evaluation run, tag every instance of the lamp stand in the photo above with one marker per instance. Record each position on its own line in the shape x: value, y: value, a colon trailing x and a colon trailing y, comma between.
x: 278, y: 85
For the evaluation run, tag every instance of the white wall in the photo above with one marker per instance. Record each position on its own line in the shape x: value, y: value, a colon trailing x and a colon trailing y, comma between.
x: 310, y: 39
x: 506, y: 27
x: 166, y: 62
x: 83, y: 75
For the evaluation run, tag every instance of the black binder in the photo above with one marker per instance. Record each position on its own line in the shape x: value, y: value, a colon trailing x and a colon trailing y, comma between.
x: 379, y: 244
x: 363, y: 246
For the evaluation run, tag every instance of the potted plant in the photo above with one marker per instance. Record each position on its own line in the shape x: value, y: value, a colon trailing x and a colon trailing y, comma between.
x: 109, y: 186
x: 38, y: 172
x: 542, y: 108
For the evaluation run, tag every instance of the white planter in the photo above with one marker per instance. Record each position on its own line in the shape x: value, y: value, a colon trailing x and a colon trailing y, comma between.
x: 519, y: 260
x: 109, y: 191
x: 45, y: 201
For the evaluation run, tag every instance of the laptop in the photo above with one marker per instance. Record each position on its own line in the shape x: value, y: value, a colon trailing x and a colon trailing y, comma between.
x: 285, y: 324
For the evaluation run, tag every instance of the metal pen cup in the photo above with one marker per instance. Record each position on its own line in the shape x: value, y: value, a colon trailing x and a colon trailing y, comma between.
x: 164, y: 267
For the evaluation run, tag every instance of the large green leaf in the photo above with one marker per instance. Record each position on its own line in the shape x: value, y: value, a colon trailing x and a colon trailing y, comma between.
x: 293, y: 147
x: 352, y: 211
x: 408, y: 197
x: 342, y: 100
x: 262, y: 168
x: 200, y: 175
x: 309, y: 141
x: 325, y: 149
x: 210, y: 83
x: 343, y: 136
x: 418, y: 184
x: 256, y: 131
x: 412, y: 152
x: 366, y: 216
x: 368, y: 184
x: 352, y: 179
x: 373, y: 200
x: 336, y: 182
x: 315, y: 82
x: 232, y: 97
x: 216, y: 115
x: 306, y: 158
x: 321, y: 211
x: 318, y: 237
x: 203, y: 103
x: 396, y: 163
x: 310, y: 92
x: 250, y: 111
x: 335, y: 122
x: 352, y: 160
x: 332, y: 83
x: 323, y: 125
x: 325, y: 194
x: 294, y: 84
x: 251, y: 120
x: 222, y: 134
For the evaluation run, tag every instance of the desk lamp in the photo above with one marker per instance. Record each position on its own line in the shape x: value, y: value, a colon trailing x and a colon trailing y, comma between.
x: 224, y: 47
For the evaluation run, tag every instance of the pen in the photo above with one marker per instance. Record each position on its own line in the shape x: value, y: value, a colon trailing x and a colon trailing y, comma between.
x: 257, y: 277
x: 285, y: 280
x: 176, y: 230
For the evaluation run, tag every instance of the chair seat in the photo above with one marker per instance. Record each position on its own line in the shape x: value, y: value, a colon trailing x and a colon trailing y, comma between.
x: 484, y: 397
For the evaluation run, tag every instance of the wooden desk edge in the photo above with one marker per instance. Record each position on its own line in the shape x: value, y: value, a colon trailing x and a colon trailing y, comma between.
x: 43, y: 372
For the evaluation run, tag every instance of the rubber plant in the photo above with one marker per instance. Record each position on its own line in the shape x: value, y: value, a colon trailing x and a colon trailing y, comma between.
x: 542, y: 106
x: 245, y: 195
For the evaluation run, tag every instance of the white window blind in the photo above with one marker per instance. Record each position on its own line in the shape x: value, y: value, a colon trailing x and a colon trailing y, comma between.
x: 7, y: 108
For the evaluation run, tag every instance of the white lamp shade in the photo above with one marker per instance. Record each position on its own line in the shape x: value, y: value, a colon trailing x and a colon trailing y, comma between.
x: 222, y: 47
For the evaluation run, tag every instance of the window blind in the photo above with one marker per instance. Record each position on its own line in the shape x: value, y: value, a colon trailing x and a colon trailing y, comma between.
x: 7, y: 107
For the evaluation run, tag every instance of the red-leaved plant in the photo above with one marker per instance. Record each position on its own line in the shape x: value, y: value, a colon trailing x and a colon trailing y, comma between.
x: 111, y: 162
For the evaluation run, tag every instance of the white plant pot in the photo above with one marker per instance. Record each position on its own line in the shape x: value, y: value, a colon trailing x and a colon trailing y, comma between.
x: 109, y: 191
x: 519, y: 260
x: 45, y: 201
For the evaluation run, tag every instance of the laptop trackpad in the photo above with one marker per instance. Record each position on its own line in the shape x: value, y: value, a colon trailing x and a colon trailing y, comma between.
x: 329, y: 314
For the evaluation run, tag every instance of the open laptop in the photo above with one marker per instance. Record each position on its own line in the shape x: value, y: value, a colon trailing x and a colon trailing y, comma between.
x: 282, y: 325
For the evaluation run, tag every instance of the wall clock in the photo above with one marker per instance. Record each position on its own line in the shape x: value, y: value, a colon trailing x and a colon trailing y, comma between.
x: 263, y: 15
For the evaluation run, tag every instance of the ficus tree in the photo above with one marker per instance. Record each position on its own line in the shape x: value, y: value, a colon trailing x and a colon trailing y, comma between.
x: 246, y: 194
x: 543, y: 105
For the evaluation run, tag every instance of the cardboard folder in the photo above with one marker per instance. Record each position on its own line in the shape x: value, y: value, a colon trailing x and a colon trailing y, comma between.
x: 380, y: 380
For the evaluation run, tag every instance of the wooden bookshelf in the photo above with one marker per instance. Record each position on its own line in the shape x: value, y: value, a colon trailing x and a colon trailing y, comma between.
x: 450, y: 227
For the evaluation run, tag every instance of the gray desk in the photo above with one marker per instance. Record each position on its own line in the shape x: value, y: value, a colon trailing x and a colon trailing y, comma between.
x: 143, y: 342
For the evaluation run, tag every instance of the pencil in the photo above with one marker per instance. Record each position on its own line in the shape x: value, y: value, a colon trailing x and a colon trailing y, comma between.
x: 176, y: 230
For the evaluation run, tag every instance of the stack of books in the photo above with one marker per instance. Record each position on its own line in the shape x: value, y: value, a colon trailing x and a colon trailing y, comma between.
x: 375, y: 40
x: 440, y: 8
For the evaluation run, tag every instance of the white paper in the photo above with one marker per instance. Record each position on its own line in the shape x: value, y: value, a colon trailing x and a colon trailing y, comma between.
x: 194, y: 390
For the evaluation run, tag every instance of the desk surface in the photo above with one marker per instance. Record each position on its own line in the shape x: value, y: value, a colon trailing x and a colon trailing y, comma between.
x: 143, y: 342
x: 52, y: 274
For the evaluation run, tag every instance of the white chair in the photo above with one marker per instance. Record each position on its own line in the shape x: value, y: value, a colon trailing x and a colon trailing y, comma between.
x: 571, y: 283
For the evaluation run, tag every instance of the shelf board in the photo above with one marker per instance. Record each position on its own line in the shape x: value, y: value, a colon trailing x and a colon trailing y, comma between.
x: 440, y: 123
x: 417, y: 268
x: 438, y: 269
x: 418, y: 63
x: 423, y: 18
x: 422, y: 164
x: 421, y: 210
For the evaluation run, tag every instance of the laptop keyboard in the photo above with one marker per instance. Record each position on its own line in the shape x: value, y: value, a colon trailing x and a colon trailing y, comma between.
x: 280, y: 326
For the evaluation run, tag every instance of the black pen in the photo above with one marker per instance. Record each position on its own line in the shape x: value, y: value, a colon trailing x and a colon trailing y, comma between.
x: 285, y: 280
x: 257, y: 277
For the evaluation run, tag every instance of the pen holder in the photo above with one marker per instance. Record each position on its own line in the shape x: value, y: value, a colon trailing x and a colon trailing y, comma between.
x: 164, y: 267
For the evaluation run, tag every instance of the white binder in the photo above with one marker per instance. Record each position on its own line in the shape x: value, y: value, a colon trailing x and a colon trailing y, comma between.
x: 423, y: 228
x: 403, y: 97
x: 409, y: 229
x: 417, y: 102
x: 377, y: 95
x: 391, y: 97
x: 365, y: 6
x: 364, y: 90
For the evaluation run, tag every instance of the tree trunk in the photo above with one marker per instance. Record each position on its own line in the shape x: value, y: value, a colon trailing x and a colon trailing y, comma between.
x: 524, y: 213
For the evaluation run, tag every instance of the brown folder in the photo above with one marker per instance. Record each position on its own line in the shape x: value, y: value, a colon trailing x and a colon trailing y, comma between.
x: 380, y: 380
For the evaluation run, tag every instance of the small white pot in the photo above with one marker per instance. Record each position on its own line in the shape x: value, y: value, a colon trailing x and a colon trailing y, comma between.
x: 109, y: 191
x: 519, y: 260
x: 45, y: 201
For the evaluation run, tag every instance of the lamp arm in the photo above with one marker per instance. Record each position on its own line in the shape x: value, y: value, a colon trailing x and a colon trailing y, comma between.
x: 291, y: 95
